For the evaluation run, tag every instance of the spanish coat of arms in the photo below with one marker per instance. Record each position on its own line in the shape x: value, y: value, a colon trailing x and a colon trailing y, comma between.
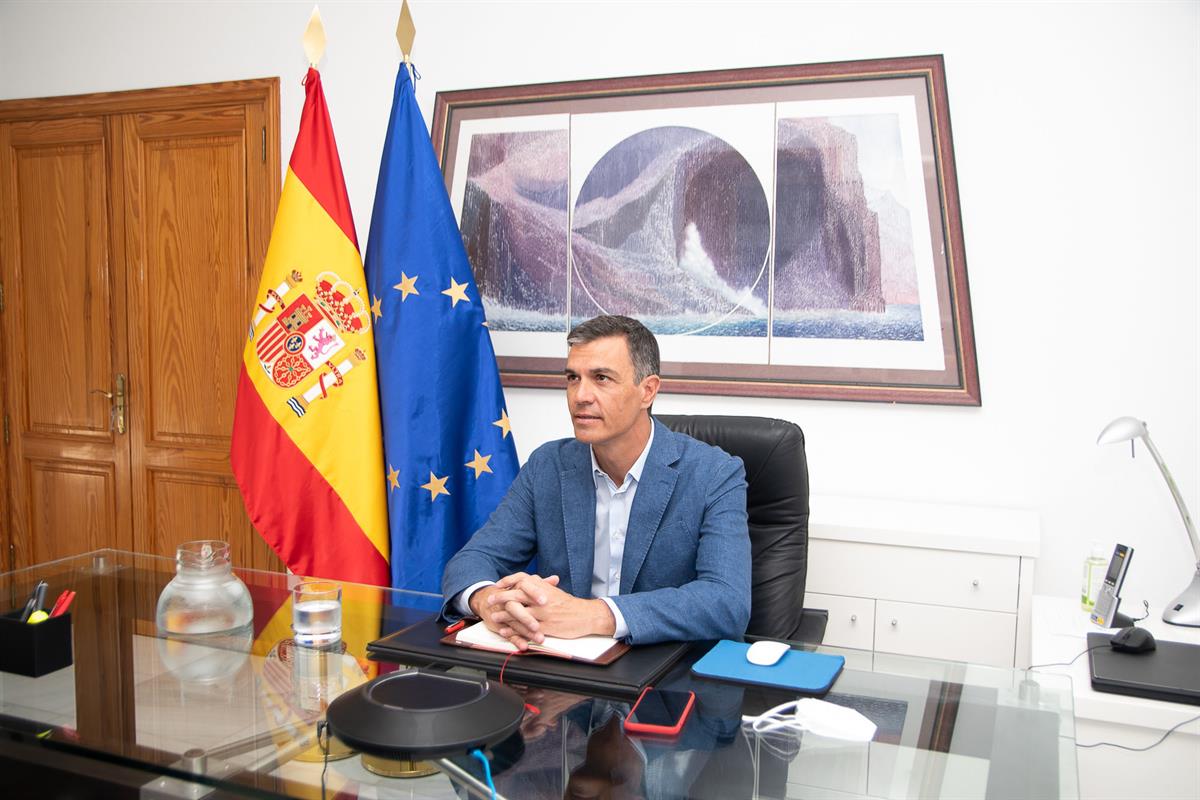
x: 301, y: 345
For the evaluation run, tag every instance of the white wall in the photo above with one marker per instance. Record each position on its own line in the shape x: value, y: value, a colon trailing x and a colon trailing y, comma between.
x: 1075, y: 133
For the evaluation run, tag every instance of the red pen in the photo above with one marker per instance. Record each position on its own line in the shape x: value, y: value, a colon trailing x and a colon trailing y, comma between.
x: 63, y: 603
x: 458, y: 626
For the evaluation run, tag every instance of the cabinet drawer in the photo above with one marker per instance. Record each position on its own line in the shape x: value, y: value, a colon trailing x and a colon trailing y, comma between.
x: 956, y: 634
x: 851, y: 619
x: 982, y: 581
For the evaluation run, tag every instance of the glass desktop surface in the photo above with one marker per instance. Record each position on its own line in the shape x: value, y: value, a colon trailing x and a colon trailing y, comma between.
x: 236, y: 716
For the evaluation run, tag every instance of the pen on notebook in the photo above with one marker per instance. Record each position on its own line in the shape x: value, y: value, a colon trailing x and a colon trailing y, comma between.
x: 458, y: 626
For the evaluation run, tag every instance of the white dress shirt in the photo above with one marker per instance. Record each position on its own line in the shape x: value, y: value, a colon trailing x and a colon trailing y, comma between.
x: 613, y: 504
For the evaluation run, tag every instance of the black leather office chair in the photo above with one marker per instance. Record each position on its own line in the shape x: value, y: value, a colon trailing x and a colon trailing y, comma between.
x: 777, y: 505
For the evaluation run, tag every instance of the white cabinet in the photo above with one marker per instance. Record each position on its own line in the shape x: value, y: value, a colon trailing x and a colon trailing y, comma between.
x: 952, y: 582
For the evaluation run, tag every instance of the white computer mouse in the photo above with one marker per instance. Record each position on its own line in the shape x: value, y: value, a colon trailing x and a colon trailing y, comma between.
x: 766, y: 653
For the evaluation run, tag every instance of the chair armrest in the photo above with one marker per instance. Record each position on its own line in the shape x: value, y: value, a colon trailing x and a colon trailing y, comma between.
x: 812, y: 626
x: 810, y: 632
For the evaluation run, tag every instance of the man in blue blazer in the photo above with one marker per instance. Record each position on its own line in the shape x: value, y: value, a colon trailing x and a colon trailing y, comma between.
x: 639, y: 532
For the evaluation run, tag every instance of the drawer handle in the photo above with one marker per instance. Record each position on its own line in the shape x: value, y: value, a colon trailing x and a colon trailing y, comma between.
x: 894, y: 623
x: 854, y: 617
x: 975, y: 583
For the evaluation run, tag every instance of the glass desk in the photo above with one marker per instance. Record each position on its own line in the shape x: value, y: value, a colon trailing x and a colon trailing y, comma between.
x: 141, y: 715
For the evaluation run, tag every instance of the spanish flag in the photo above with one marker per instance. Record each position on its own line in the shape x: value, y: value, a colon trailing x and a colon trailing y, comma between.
x: 307, y: 444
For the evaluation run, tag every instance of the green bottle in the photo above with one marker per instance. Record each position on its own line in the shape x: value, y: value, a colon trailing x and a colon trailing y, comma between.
x: 1093, y: 576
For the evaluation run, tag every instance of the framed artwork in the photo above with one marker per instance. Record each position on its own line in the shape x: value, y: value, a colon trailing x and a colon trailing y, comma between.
x: 784, y: 231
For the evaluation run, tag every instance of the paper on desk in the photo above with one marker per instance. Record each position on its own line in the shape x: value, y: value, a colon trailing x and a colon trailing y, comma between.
x: 588, y: 648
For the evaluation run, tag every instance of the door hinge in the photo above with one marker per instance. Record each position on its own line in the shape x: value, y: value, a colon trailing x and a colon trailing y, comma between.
x: 1, y: 297
x: 12, y: 557
x: 6, y: 428
x: 264, y: 144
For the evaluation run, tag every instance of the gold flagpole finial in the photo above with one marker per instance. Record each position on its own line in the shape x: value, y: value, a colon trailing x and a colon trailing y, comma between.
x: 314, y: 38
x: 406, y: 31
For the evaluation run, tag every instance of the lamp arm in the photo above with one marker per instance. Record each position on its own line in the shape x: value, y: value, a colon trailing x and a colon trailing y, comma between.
x: 1183, y: 512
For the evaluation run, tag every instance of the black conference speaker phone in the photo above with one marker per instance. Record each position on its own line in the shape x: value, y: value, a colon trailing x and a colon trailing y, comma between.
x: 418, y: 713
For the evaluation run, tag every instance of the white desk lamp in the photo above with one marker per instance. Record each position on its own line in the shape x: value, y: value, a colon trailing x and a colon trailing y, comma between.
x: 1184, y: 609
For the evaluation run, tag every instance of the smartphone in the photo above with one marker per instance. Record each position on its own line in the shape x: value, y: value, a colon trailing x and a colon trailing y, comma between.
x: 660, y: 712
x: 1109, y: 602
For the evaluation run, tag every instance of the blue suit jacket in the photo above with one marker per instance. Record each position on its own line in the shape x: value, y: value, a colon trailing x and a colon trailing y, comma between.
x: 685, y: 574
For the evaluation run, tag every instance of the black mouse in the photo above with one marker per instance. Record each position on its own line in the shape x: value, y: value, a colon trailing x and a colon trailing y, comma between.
x: 1132, y: 640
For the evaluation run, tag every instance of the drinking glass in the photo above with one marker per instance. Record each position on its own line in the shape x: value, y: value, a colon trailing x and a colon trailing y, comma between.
x: 317, y: 613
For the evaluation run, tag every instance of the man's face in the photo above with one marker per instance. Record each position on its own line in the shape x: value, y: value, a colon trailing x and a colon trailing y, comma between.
x: 604, y: 400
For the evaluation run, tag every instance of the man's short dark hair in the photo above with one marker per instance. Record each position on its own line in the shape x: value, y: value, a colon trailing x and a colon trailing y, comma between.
x: 643, y: 347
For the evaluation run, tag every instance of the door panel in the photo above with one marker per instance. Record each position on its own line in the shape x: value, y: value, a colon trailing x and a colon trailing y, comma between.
x: 66, y: 298
x: 193, y: 255
x: 89, y: 517
x: 194, y: 287
x: 186, y: 505
x: 62, y: 348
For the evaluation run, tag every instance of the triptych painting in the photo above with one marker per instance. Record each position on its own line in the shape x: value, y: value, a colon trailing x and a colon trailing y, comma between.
x: 788, y: 231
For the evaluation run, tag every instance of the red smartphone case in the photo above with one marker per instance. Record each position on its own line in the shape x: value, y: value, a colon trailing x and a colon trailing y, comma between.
x: 658, y: 730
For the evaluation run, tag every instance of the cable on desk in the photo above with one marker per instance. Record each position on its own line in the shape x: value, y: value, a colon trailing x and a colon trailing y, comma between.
x: 1141, y: 750
x: 487, y: 770
x: 1145, y: 605
x: 775, y: 730
x: 323, y: 730
x: 1072, y: 661
x: 1161, y: 739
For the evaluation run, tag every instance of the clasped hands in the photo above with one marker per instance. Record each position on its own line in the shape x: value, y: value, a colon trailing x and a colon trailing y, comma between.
x: 526, y: 608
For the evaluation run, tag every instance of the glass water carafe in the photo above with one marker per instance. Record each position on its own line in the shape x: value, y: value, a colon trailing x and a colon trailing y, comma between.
x: 205, y: 596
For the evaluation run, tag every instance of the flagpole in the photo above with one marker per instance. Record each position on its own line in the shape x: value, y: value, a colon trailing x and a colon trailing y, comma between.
x: 386, y: 766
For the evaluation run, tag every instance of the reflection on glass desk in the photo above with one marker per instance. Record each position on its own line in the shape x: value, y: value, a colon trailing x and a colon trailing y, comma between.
x: 237, y: 715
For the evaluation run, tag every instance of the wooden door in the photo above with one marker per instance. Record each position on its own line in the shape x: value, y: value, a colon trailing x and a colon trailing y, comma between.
x: 68, y: 468
x: 135, y: 225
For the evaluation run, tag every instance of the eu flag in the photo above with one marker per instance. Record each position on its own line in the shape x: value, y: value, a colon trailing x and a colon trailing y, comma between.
x: 448, y: 452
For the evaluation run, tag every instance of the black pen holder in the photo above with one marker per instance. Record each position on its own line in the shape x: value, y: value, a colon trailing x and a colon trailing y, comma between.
x: 36, y: 649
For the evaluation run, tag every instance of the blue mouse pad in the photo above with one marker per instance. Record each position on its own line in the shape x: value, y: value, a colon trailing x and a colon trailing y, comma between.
x: 812, y: 673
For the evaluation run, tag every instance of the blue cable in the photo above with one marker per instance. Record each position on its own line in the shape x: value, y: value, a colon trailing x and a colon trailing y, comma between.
x: 487, y: 770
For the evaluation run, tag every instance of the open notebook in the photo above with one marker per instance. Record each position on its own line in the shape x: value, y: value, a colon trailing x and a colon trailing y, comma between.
x: 592, y: 649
